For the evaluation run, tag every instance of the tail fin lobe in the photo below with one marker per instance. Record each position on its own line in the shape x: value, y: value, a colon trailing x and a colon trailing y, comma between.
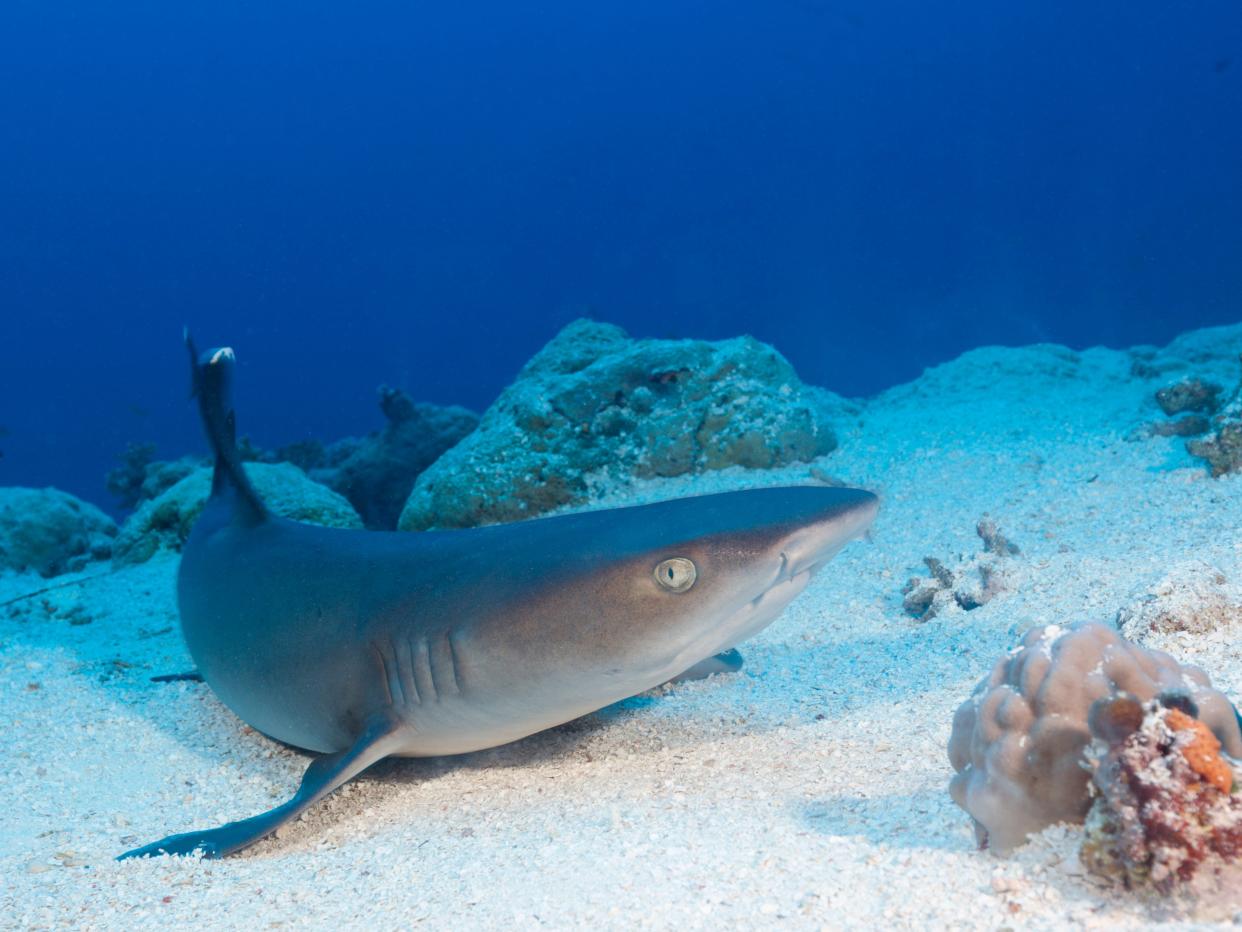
x: 212, y: 377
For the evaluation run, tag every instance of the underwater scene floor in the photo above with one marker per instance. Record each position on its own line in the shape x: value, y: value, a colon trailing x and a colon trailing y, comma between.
x: 808, y: 790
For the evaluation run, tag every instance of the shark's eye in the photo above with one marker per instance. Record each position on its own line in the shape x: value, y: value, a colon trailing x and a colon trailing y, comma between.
x: 676, y: 574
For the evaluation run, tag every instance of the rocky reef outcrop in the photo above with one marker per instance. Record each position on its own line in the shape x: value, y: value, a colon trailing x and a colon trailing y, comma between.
x: 49, y: 532
x: 165, y: 521
x: 1195, y: 403
x: 1189, y: 395
x: 1222, y: 447
x: 375, y: 472
x: 140, y: 476
x: 595, y: 403
x: 1189, y: 373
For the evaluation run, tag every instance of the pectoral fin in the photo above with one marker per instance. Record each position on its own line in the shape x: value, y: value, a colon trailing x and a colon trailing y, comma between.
x: 324, y: 775
x: 729, y: 661
x: 193, y: 676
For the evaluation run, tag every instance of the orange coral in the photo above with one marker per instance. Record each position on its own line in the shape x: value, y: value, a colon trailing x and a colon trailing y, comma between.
x: 1163, y: 807
x: 1202, y: 751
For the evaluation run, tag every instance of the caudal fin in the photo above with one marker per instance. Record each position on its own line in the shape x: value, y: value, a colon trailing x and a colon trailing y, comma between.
x: 212, y: 375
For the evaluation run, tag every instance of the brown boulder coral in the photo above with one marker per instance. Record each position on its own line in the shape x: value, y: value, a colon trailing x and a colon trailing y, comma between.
x: 1165, y: 806
x: 1018, y: 742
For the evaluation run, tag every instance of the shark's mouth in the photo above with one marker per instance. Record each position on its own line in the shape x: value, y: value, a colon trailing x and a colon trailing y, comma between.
x: 759, y: 612
x: 752, y: 616
x: 791, y: 578
x: 804, y: 556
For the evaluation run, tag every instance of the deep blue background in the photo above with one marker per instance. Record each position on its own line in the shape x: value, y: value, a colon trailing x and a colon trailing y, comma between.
x: 382, y: 192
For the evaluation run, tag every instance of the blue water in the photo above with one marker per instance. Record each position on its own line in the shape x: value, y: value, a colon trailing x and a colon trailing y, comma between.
x: 385, y: 192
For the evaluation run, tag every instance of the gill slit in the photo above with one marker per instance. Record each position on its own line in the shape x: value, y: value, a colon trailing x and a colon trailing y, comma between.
x: 406, y: 659
x: 383, y: 667
x: 453, y: 662
x: 394, y: 683
x: 414, y: 670
x: 442, y: 665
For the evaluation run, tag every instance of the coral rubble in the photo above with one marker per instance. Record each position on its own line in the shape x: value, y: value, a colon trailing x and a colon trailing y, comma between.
x: 1018, y: 741
x: 1165, y: 806
x: 1192, y: 598
x: 596, y: 402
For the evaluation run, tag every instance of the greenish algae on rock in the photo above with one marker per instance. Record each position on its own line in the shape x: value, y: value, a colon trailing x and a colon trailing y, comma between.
x: 165, y: 521
x: 596, y: 402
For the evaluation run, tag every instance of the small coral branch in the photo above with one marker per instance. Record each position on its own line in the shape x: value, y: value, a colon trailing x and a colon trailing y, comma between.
x: 970, y: 584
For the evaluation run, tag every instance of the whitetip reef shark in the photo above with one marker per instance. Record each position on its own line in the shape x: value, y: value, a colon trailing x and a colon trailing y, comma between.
x: 360, y: 645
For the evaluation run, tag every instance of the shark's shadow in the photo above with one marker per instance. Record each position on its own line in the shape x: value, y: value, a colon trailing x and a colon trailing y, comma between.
x: 920, y: 819
x: 677, y: 709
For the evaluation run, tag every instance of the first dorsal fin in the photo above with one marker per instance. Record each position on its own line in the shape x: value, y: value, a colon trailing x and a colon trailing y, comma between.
x: 212, y: 374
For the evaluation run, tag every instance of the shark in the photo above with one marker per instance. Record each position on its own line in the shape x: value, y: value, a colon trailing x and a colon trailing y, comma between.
x: 359, y: 645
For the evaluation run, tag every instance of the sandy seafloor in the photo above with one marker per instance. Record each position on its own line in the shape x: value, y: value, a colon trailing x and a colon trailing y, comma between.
x: 807, y: 791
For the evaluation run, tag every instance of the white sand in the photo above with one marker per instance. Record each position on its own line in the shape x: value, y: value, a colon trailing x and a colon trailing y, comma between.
x: 807, y: 791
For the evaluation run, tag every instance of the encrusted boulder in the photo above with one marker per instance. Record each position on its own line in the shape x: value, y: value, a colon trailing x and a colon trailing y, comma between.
x: 1165, y: 803
x: 165, y: 521
x: 595, y: 402
x: 1193, y: 395
x: 48, y: 531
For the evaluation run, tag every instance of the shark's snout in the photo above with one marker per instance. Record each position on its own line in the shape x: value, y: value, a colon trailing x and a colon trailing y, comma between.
x: 822, y: 534
x: 795, y: 532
